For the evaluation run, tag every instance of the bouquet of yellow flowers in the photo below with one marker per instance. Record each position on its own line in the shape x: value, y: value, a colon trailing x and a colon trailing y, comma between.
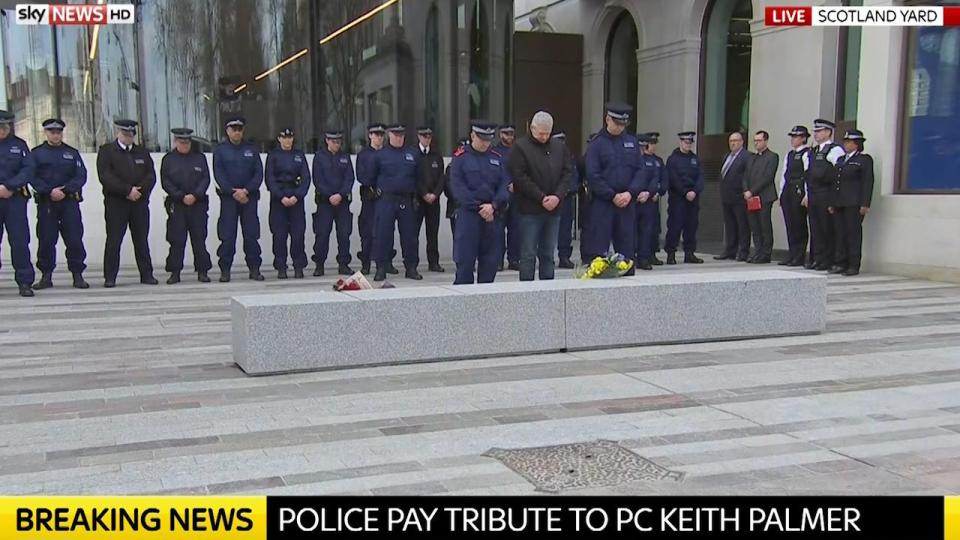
x: 611, y: 266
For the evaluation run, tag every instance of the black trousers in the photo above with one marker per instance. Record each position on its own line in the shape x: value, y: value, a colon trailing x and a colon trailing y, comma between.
x: 121, y: 214
x: 736, y: 230
x: 848, y: 225
x: 431, y: 214
x: 822, y: 234
x: 761, y: 226
x: 183, y: 220
x: 795, y: 219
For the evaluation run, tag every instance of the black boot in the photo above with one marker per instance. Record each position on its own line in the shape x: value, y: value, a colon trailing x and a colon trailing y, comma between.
x: 202, y: 277
x: 645, y: 265
x: 852, y: 271
x: 655, y: 261
x: 365, y: 267
x: 381, y: 273
x: 149, y: 280
x: 45, y: 282
x: 345, y: 270
x: 79, y: 282
x: 109, y: 283
x: 174, y: 278
x: 281, y: 274
x: 255, y: 275
x: 513, y: 266
x: 412, y: 273
x: 391, y: 269
x: 671, y: 258
x: 435, y: 267
x: 224, y: 276
x: 837, y: 269
x: 318, y: 271
x: 26, y: 291
x: 565, y: 262
x: 691, y: 258
x: 298, y: 273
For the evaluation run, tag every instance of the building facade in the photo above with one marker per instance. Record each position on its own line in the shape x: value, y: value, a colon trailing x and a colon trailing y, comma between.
x: 713, y: 66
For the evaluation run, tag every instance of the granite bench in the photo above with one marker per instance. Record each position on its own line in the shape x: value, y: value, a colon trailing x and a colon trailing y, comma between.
x: 301, y: 332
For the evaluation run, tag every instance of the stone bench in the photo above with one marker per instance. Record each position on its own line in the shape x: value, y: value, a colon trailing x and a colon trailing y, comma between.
x: 300, y: 332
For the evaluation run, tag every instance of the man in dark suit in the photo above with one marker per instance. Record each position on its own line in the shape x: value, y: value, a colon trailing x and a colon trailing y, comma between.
x: 759, y: 182
x: 736, y: 231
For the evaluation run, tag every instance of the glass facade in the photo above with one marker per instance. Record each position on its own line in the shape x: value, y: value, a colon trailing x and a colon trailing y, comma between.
x: 415, y: 61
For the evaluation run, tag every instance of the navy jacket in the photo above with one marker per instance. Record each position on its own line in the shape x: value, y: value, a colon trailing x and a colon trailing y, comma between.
x: 57, y: 166
x: 613, y: 165
x: 287, y: 174
x: 184, y: 174
x: 394, y: 170
x: 684, y: 173
x: 479, y: 178
x: 332, y: 173
x: 16, y: 167
x: 237, y: 166
x: 654, y: 173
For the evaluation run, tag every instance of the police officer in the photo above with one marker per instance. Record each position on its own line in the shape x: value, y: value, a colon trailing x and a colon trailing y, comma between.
x: 614, y: 174
x: 792, y: 194
x: 652, y: 187
x: 479, y: 182
x: 333, y: 182
x: 853, y: 188
x: 567, y: 209
x: 509, y: 219
x: 448, y: 191
x: 127, y: 174
x: 394, y: 170
x: 287, y: 176
x: 820, y: 186
x: 684, y: 174
x: 58, y: 180
x: 185, y: 177
x: 16, y: 169
x: 429, y: 188
x: 238, y: 171
x: 368, y: 197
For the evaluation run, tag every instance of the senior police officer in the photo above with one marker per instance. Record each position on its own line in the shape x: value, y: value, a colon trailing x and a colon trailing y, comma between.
x: 333, y: 184
x: 368, y: 197
x: 652, y: 187
x: 479, y: 182
x: 509, y: 219
x: 614, y: 174
x: 58, y: 180
x: 429, y: 188
x: 238, y: 171
x: 685, y: 181
x: 820, y: 186
x: 792, y: 195
x: 185, y: 177
x: 853, y: 191
x: 126, y: 171
x: 287, y: 176
x: 394, y: 170
x: 567, y: 209
x: 16, y: 169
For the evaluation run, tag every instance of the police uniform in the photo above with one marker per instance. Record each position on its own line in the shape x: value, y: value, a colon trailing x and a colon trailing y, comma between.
x: 288, y: 175
x: 368, y: 200
x: 430, y: 181
x: 613, y: 167
x: 478, y: 178
x: 853, y: 191
x: 820, y: 186
x: 394, y: 170
x: 451, y: 200
x: 238, y: 166
x: 16, y: 169
x: 795, y: 166
x: 59, y: 167
x: 648, y: 213
x: 182, y: 175
x: 684, y: 173
x: 332, y: 175
x: 121, y: 170
x: 510, y: 218
x: 567, y: 210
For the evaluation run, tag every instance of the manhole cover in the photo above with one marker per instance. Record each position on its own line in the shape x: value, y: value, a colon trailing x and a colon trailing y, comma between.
x: 581, y: 465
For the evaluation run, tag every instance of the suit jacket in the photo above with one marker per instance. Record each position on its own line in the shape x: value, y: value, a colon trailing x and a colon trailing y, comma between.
x: 731, y: 184
x: 760, y: 176
x: 854, y: 184
x: 120, y: 170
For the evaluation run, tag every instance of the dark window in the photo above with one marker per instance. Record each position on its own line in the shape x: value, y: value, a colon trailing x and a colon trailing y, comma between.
x: 727, y: 50
x: 621, y: 64
x: 848, y: 72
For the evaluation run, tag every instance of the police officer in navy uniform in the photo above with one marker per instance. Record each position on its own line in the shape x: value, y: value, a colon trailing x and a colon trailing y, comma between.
x: 127, y: 173
x: 287, y: 176
x: 820, y: 186
x: 185, y: 177
x: 394, y: 170
x: 567, y: 210
x: 448, y: 191
x: 653, y: 138
x: 479, y: 182
x: 792, y: 194
x: 333, y: 187
x: 510, y: 218
x: 614, y: 174
x: 853, y: 191
x: 684, y: 174
x: 368, y: 197
x: 430, y: 185
x: 58, y: 180
x: 16, y: 169
x: 648, y: 202
x: 238, y: 172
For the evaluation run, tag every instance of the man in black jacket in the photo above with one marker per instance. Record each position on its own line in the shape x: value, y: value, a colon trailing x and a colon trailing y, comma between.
x: 542, y: 172
x: 736, y: 229
x: 430, y: 183
x: 759, y: 182
x: 126, y: 171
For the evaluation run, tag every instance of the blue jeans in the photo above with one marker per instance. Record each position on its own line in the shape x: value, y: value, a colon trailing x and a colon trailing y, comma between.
x: 538, y: 240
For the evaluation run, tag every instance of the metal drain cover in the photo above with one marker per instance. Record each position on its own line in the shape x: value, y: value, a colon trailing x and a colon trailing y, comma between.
x: 581, y: 465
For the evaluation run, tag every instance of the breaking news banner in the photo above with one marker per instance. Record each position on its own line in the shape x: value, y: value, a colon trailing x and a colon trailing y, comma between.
x: 74, y: 14
x: 862, y: 16
x: 292, y: 518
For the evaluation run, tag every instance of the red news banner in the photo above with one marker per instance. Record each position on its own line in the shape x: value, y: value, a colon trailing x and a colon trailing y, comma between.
x: 74, y: 14
x: 862, y: 16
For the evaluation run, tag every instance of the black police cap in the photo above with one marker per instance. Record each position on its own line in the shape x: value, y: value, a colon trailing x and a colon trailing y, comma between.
x: 376, y: 127
x: 235, y: 121
x: 333, y: 134
x: 854, y: 135
x: 129, y: 126
x: 397, y: 128
x: 799, y: 131
x: 424, y: 130
x: 620, y: 112
x: 6, y: 117
x: 820, y: 123
x: 53, y: 123
x: 483, y: 129
x: 285, y: 132
x: 182, y: 133
x: 687, y: 136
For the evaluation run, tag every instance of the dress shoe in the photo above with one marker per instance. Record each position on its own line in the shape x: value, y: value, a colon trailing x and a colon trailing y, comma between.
x: 691, y: 258
x: 645, y: 265
x: 364, y: 268
x: 565, y: 262
x: 381, y: 274
x: 837, y: 269
x: 852, y: 271
x: 149, y: 280
x: 45, y: 282
x: 224, y: 276
x: 795, y: 263
x: 722, y: 257
x: 785, y: 262
x: 391, y: 269
x: 318, y: 271
x: 500, y: 267
x: 743, y: 258
x: 810, y: 265
x: 255, y: 275
x: 671, y: 258
x: 281, y: 274
x: 298, y: 273
x: 820, y: 267
x: 174, y: 278
x: 513, y: 266
x: 435, y: 267
x: 109, y: 283
x: 412, y: 273
x: 345, y: 270
x: 79, y: 282
x: 26, y: 291
x: 203, y: 277
x: 761, y: 260
x: 655, y: 261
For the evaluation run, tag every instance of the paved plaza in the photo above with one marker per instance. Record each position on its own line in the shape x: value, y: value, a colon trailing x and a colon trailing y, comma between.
x: 133, y: 390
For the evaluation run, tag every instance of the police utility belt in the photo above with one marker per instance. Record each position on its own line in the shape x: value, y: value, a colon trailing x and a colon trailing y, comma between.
x: 45, y: 197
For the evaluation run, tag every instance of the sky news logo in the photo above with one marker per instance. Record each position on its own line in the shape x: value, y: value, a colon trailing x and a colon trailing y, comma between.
x: 862, y: 16
x: 74, y: 14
